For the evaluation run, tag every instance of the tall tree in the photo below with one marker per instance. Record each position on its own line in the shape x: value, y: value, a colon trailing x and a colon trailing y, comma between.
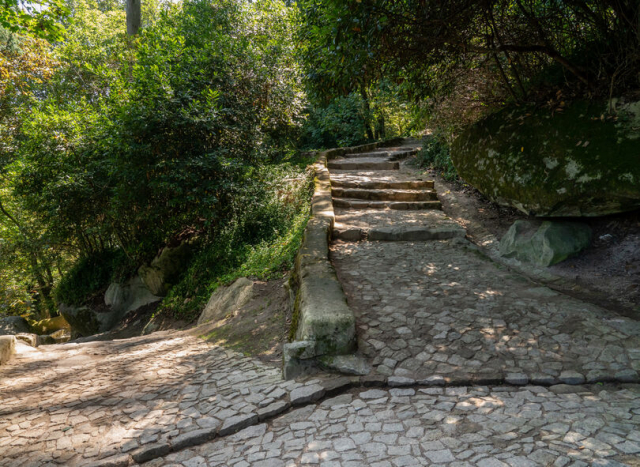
x: 134, y: 16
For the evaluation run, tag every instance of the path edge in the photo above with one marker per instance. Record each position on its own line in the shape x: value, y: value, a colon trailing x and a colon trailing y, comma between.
x: 322, y: 323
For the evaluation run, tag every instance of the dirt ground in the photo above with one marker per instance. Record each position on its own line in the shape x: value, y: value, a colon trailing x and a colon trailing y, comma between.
x: 606, y: 273
x: 257, y: 329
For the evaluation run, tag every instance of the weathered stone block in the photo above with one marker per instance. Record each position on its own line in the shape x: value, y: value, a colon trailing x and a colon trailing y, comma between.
x: 7, y: 348
x: 546, y: 243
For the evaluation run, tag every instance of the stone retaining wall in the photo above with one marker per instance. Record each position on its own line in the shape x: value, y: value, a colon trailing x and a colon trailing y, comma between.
x: 323, y: 324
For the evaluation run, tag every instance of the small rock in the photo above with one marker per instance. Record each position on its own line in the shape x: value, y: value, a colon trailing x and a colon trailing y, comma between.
x: 272, y: 410
x: 306, y: 394
x: 571, y: 377
x: 347, y: 364
x: 518, y: 379
x: 192, y: 438
x: 151, y: 451
x: 396, y: 381
x: 237, y: 423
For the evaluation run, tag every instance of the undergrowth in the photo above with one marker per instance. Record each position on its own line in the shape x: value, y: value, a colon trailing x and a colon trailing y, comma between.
x: 261, y: 242
x: 90, y: 275
x: 435, y: 154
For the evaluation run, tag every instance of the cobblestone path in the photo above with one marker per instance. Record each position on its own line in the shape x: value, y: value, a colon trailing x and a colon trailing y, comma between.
x: 467, y: 358
x: 406, y: 427
x: 434, y: 311
x: 74, y: 404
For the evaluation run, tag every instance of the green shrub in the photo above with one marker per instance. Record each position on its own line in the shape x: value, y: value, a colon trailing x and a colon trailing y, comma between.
x: 340, y: 123
x: 261, y: 241
x: 90, y: 275
x: 435, y: 154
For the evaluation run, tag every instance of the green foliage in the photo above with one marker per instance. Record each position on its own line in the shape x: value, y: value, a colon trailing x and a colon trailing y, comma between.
x: 133, y: 145
x: 38, y: 18
x: 340, y: 123
x: 436, y: 154
x: 90, y: 274
x: 261, y: 241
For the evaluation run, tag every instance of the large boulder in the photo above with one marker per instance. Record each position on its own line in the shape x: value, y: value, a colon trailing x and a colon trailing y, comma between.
x: 574, y: 161
x: 227, y: 300
x: 124, y: 298
x: 11, y: 325
x: 86, y: 321
x: 166, y: 268
x: 49, y: 325
x: 545, y: 243
x: 121, y: 300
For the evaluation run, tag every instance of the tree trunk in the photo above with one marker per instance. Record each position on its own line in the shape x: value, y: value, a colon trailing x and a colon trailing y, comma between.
x: 134, y: 16
x: 367, y: 112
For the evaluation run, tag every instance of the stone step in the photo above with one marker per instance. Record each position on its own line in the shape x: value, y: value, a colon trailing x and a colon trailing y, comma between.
x: 383, y: 185
x: 385, y: 195
x: 391, y: 155
x: 398, y: 234
x: 348, y: 203
x: 381, y: 164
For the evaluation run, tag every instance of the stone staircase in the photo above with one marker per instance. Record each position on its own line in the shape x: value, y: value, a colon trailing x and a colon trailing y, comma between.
x: 377, y: 198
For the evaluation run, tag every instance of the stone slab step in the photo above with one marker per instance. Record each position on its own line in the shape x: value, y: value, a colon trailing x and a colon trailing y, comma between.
x: 384, y: 185
x: 385, y: 195
x: 348, y: 203
x: 398, y: 234
x: 392, y: 155
x: 382, y: 164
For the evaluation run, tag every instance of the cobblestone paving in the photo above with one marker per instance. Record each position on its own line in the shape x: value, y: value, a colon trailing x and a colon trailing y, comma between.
x: 433, y: 310
x: 75, y: 403
x: 478, y: 426
x: 437, y: 310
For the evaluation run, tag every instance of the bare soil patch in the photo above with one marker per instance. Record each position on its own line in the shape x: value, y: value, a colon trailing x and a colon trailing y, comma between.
x: 259, y: 328
x: 606, y: 273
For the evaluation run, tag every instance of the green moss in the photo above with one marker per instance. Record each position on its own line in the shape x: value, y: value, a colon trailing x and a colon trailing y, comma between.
x: 295, y: 317
x: 573, y: 162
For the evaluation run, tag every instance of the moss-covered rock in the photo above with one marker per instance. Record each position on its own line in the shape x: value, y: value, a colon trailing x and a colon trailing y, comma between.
x: 165, y: 269
x: 49, y: 325
x: 545, y: 243
x: 581, y: 161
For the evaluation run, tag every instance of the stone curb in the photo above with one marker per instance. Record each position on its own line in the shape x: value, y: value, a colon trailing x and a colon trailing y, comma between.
x: 315, y: 393
x: 7, y: 348
x: 322, y: 317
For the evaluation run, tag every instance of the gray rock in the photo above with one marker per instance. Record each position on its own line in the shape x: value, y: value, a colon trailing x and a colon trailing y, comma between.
x: 546, y: 243
x: 516, y: 378
x: 299, y: 349
x: 119, y: 460
x: 552, y: 164
x: 150, y: 451
x: 347, y: 364
x: 226, y: 300
x: 306, y: 394
x: 273, y: 409
x: 237, y: 423
x: 571, y: 377
x: 397, y: 381
x: 627, y: 376
x: 12, y: 325
x: 193, y: 438
x: 166, y: 268
x: 7, y: 348
x: 86, y: 321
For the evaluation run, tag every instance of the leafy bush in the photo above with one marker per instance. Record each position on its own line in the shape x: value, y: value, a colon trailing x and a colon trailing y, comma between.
x: 340, y: 123
x: 90, y: 275
x: 435, y: 154
x: 261, y: 241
